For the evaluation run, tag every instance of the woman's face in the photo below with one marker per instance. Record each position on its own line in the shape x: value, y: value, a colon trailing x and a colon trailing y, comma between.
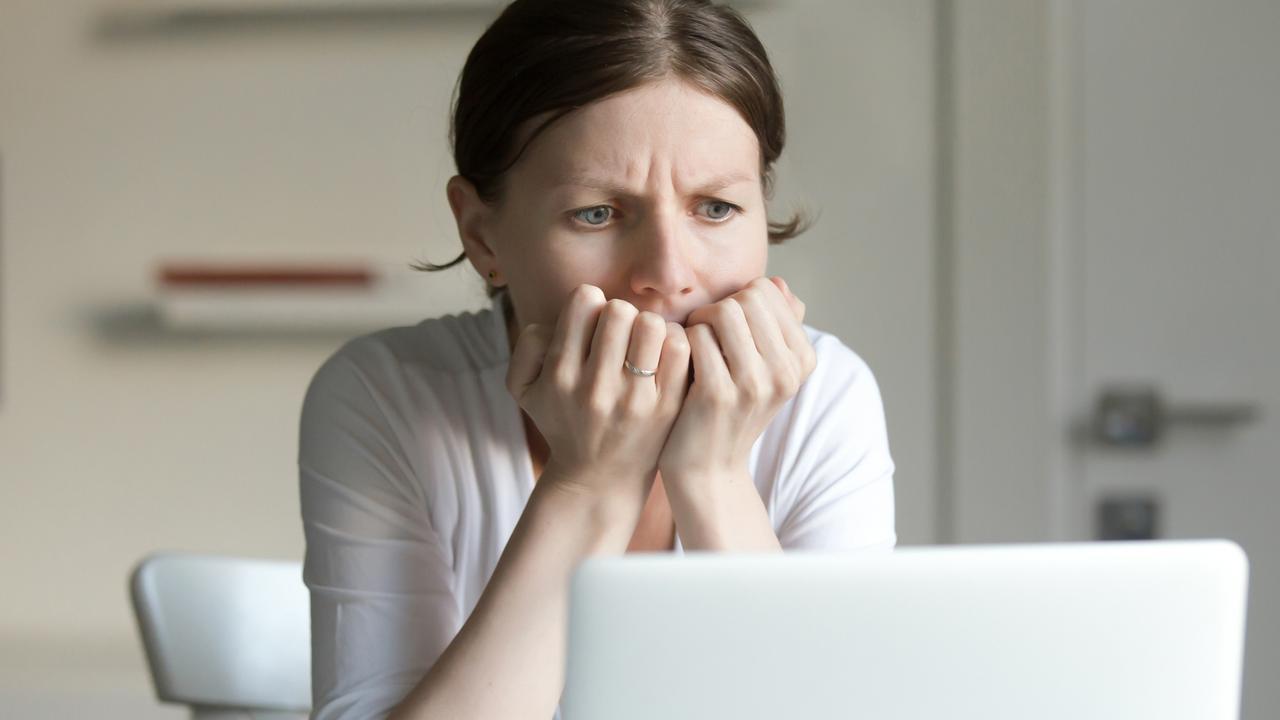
x: 654, y: 195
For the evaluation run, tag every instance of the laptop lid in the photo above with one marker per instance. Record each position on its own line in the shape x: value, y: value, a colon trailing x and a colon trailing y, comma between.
x: 1069, y: 630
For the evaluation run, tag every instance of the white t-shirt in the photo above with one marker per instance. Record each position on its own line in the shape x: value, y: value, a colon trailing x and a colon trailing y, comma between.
x: 414, y: 469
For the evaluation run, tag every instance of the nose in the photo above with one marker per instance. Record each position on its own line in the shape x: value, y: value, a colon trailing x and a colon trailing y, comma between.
x: 661, y: 268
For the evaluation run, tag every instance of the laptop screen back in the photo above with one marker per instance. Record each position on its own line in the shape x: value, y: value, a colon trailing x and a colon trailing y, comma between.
x: 1072, y: 630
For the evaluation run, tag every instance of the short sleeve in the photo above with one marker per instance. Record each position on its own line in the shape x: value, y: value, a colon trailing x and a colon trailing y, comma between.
x: 838, y: 461
x: 383, y: 606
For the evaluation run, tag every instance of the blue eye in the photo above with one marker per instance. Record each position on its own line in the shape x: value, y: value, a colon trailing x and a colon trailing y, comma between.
x: 597, y: 215
x: 719, y: 210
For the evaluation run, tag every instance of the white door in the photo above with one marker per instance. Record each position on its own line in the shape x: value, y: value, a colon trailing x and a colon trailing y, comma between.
x: 1176, y: 283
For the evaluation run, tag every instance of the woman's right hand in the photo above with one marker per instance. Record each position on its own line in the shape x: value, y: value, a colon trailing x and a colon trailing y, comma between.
x: 604, y: 425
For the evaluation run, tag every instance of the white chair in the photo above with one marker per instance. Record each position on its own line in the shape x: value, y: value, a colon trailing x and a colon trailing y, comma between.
x: 230, y: 637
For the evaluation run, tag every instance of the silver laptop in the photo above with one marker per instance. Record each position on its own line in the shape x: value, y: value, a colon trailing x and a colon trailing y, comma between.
x: 1076, y: 631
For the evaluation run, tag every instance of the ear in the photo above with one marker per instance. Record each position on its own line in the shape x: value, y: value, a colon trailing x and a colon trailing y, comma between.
x: 473, y: 216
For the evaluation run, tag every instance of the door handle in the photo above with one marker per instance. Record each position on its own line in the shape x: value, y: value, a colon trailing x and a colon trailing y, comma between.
x: 1138, y: 416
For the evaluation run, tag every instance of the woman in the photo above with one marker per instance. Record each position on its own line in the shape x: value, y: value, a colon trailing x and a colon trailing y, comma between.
x: 637, y: 384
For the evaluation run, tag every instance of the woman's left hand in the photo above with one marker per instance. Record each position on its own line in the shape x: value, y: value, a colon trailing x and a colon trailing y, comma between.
x: 750, y: 355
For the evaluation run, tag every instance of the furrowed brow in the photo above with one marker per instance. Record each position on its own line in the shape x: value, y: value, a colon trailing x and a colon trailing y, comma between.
x: 711, y: 185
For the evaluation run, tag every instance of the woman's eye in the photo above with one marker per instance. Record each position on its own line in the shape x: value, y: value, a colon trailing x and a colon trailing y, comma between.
x: 597, y: 215
x: 719, y: 209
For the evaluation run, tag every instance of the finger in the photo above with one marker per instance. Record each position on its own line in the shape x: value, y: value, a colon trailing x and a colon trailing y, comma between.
x: 612, y: 335
x: 574, y: 328
x: 793, y: 302
x: 648, y: 332
x: 708, y: 362
x: 734, y: 336
x: 789, y: 312
x: 526, y: 358
x: 765, y: 325
x: 673, y: 364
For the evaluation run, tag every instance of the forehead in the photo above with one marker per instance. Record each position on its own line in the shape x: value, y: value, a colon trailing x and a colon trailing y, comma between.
x: 668, y: 128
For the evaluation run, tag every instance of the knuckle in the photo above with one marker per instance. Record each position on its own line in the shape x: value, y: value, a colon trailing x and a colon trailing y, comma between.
x: 562, y: 380
x: 554, y: 357
x: 728, y: 309
x: 721, y: 398
x: 650, y: 322
x: 785, y: 383
x: 586, y: 293
x: 755, y: 292
x: 597, y: 406
x: 619, y: 309
x: 752, y: 295
x: 810, y: 359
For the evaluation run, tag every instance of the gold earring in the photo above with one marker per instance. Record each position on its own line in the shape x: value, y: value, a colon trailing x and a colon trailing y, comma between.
x: 493, y: 275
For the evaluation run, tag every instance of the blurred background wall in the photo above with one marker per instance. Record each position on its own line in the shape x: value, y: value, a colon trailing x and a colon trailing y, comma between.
x: 938, y: 141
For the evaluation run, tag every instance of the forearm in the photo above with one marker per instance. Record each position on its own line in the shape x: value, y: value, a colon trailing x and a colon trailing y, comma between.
x: 507, y: 661
x: 720, y: 513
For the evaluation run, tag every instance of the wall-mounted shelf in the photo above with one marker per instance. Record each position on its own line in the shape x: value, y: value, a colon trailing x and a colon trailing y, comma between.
x: 221, y: 296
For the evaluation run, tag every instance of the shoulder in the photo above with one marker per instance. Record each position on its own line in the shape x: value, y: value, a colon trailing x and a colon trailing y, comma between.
x: 454, y: 344
x: 387, y: 381
x: 380, y: 412
x: 839, y: 373
x: 838, y: 411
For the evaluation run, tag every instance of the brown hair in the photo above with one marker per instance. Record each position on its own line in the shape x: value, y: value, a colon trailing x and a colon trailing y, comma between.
x: 550, y: 57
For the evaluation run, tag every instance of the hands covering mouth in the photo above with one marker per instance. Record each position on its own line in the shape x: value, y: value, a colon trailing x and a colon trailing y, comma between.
x: 619, y: 393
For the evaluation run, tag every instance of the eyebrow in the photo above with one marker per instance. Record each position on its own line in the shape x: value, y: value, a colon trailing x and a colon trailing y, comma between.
x: 713, y: 184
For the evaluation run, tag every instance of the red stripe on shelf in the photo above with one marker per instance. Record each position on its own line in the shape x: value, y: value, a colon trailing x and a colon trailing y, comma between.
x: 203, y: 275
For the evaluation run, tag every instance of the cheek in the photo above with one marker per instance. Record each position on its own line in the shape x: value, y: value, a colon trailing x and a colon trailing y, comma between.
x: 545, y: 268
x: 732, y: 270
x: 743, y: 251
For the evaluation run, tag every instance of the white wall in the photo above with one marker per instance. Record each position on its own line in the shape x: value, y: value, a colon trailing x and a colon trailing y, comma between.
x: 859, y: 79
x: 1000, y: 461
x: 122, y: 146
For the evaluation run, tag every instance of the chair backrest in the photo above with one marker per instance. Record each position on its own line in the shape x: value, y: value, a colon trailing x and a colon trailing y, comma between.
x: 225, y: 632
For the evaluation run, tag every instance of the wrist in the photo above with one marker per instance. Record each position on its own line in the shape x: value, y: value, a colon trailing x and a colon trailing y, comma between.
x: 599, y: 500
x: 721, y: 510
x: 700, y: 478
